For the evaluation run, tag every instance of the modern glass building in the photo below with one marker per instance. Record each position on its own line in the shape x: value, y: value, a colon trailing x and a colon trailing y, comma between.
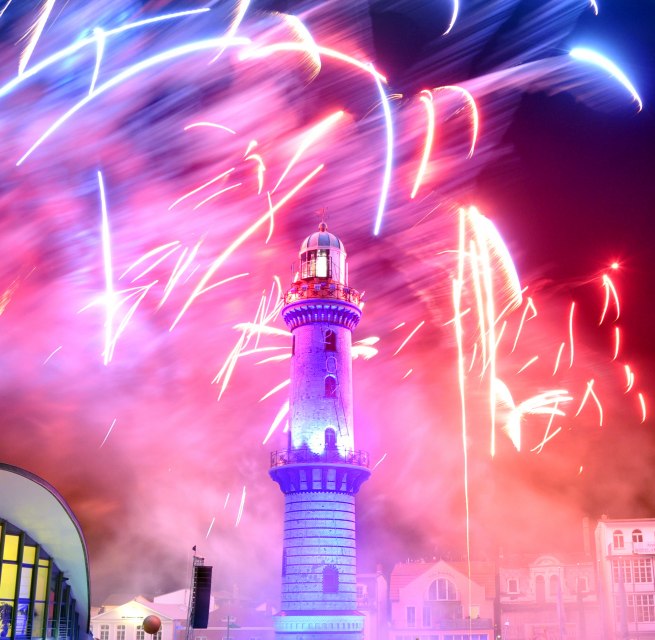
x: 44, y: 575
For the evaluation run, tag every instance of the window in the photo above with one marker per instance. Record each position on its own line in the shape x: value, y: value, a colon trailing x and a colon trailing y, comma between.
x: 330, y: 387
x: 140, y: 633
x: 330, y: 340
x: 284, y: 562
x: 640, y: 607
x: 104, y: 632
x: 427, y: 617
x: 442, y: 589
x: 617, y: 539
x: 330, y: 579
x: 621, y: 571
x: 512, y: 585
x: 120, y: 632
x: 637, y: 536
x: 582, y: 584
x: 322, y: 263
x: 411, y: 616
x: 293, y: 345
x: 643, y: 570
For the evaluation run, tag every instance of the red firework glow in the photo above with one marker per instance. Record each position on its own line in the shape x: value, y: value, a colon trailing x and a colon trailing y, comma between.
x: 160, y: 170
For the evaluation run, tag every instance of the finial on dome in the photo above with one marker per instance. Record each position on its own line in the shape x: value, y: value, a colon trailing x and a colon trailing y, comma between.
x: 322, y: 226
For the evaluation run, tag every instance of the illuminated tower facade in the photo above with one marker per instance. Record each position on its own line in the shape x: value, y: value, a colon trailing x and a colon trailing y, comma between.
x: 320, y: 472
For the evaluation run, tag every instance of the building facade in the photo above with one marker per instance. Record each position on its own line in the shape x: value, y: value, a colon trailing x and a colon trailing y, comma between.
x: 44, y: 574
x: 124, y: 622
x: 437, y: 601
x: 548, y: 597
x: 320, y: 471
x: 625, y: 549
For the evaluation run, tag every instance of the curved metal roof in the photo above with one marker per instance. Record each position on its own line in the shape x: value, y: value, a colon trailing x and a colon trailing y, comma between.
x: 34, y: 506
x: 322, y: 239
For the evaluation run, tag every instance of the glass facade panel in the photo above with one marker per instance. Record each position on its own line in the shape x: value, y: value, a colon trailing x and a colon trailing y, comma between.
x: 8, y: 581
x: 25, y: 582
x: 11, y: 547
x: 41, y: 582
x: 29, y: 554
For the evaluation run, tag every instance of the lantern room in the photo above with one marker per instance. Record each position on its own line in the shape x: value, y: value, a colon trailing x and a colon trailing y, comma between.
x: 322, y: 255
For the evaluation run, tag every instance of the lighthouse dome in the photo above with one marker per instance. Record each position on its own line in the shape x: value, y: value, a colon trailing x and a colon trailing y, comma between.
x: 321, y: 239
x: 322, y: 255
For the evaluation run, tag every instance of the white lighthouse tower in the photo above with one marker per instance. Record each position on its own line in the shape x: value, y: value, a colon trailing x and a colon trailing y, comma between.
x: 320, y: 472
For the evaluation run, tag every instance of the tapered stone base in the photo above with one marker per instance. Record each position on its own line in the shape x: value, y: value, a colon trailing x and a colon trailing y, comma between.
x: 319, y: 626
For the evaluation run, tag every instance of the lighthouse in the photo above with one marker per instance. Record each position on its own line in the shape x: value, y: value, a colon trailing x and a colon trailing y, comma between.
x: 320, y: 471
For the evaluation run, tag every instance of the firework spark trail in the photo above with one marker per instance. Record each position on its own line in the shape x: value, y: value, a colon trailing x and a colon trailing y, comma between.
x: 453, y: 18
x: 617, y: 343
x: 559, y: 357
x: 590, y: 392
x: 473, y: 107
x: 601, y: 61
x: 276, y: 389
x: 548, y: 436
x: 211, y: 524
x: 146, y: 256
x: 571, y: 354
x: 241, y: 505
x: 630, y: 378
x: 201, y: 187
x: 35, y: 32
x: 111, y: 426
x: 377, y: 464
x: 313, y: 52
x: 216, y: 194
x: 610, y: 290
x: 409, y: 337
x: 109, y: 296
x: 239, y: 15
x: 528, y: 307
x: 281, y: 414
x: 135, y: 69
x: 62, y: 54
x: 528, y: 363
x: 642, y: 404
x: 386, y: 180
x: 52, y: 354
x: 100, y: 38
x: 426, y: 100
x: 309, y: 139
x: 546, y: 403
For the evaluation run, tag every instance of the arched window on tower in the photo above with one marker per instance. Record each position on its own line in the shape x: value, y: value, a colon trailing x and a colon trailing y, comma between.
x: 617, y: 539
x: 330, y: 439
x: 330, y: 579
x: 330, y: 340
x: 330, y: 387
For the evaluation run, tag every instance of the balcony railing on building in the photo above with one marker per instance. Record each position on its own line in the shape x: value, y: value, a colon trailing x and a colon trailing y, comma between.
x: 303, y: 456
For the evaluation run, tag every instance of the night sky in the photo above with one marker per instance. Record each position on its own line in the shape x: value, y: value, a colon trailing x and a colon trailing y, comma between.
x: 148, y: 458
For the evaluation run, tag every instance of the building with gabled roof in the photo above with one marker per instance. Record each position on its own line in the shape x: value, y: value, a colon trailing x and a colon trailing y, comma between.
x: 437, y: 601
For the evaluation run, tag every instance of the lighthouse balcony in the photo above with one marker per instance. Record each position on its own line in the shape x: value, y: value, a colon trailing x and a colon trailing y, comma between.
x: 329, y: 455
x: 322, y: 288
x: 300, y: 470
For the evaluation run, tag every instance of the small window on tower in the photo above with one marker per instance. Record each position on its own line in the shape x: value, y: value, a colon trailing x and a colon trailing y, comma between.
x: 330, y: 387
x: 284, y: 562
x: 293, y: 345
x: 322, y: 256
x: 330, y: 579
x: 330, y: 340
